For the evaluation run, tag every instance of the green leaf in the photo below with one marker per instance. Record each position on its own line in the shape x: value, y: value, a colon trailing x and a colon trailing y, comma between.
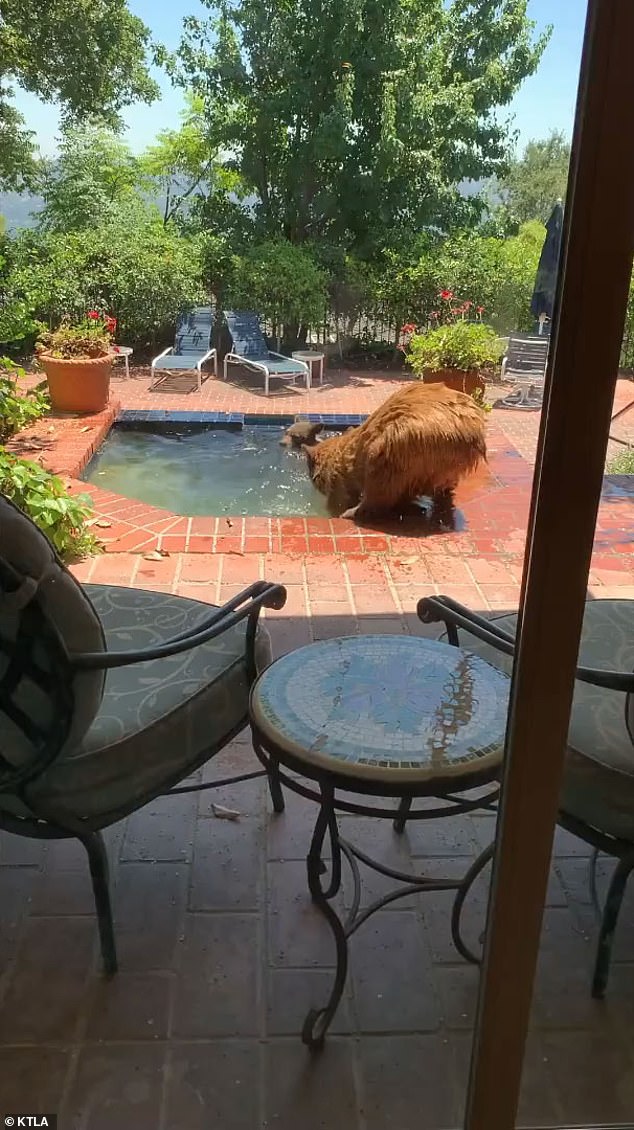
x: 43, y: 497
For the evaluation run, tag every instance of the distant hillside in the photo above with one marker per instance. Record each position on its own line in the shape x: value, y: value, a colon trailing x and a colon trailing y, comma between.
x: 20, y: 210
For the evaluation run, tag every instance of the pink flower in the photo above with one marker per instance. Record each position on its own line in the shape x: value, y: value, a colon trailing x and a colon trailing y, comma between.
x: 480, y: 309
x: 94, y: 314
x: 434, y: 314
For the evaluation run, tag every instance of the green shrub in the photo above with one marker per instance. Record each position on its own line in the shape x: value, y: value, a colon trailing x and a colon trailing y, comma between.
x: 17, y: 409
x: 281, y: 281
x: 498, y: 274
x: 43, y: 496
x: 143, y: 273
x: 458, y: 345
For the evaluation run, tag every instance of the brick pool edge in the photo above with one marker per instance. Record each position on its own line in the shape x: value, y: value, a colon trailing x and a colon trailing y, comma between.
x: 495, y: 510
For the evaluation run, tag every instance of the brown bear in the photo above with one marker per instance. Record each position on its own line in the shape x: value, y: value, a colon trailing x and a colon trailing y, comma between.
x: 421, y: 441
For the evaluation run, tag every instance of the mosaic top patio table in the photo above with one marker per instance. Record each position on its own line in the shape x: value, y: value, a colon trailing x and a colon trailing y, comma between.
x: 381, y: 716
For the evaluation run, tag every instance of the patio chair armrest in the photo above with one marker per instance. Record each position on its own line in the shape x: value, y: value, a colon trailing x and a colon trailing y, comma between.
x: 248, y: 603
x: 442, y: 609
x: 170, y: 349
x: 208, y: 355
x: 248, y: 362
x: 505, y: 362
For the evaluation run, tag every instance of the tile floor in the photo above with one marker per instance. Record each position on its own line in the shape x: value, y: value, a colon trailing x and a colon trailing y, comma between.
x: 220, y: 949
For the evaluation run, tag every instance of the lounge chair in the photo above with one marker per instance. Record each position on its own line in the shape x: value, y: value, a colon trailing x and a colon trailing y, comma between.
x: 192, y: 345
x: 249, y: 348
x: 524, y: 363
x: 109, y: 696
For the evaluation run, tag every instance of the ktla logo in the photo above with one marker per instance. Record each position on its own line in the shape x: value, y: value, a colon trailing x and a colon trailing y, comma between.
x: 33, y: 1120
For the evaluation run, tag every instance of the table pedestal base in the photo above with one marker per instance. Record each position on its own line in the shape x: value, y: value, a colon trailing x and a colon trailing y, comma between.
x: 325, y: 878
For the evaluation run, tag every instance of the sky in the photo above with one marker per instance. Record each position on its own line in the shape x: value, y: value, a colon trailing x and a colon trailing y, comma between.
x: 545, y: 102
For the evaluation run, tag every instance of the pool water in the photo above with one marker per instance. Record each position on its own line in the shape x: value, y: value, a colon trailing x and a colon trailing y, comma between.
x: 208, y: 471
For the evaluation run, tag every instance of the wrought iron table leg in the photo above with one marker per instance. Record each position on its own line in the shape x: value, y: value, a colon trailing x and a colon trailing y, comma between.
x: 403, y: 812
x: 611, y: 910
x: 318, y: 1020
x: 275, y: 787
x: 477, y: 867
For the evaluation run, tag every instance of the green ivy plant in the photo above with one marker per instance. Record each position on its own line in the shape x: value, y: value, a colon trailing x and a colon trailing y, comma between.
x: 17, y: 409
x: 459, y: 345
x: 62, y: 517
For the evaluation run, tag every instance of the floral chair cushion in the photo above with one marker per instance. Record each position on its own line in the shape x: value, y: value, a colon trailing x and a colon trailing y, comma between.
x: 159, y: 720
x: 598, y: 786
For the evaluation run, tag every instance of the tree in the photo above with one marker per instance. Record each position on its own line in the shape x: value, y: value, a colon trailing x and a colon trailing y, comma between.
x: 353, y: 119
x: 181, y: 161
x: 185, y: 169
x: 537, y: 179
x: 93, y: 173
x: 89, y: 55
x: 283, y: 282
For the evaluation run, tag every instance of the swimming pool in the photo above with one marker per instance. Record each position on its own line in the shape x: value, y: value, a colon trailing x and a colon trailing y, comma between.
x: 197, y: 468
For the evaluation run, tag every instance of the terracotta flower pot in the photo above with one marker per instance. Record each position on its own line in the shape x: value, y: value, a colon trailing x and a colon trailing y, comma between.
x: 78, y: 384
x: 463, y: 380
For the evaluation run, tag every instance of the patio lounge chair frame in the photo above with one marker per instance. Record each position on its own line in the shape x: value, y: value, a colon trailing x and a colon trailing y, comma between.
x: 259, y: 365
x: 200, y: 361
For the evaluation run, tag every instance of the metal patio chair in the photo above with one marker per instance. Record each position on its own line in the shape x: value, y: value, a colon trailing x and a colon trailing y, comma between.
x: 524, y: 364
x: 597, y: 798
x: 249, y: 348
x: 191, y: 348
x: 109, y: 697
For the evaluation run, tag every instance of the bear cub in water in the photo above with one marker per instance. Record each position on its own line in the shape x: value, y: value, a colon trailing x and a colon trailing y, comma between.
x: 300, y: 434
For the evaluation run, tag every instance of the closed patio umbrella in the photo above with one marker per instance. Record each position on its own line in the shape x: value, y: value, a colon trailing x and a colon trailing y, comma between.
x: 543, y: 298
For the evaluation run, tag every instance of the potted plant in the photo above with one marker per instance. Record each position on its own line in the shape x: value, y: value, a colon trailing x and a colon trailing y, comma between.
x: 77, y: 360
x: 452, y: 350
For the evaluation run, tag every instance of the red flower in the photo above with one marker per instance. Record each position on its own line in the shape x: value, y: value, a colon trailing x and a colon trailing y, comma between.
x: 466, y: 305
x: 480, y: 309
x: 111, y: 324
x: 408, y: 328
x: 94, y: 314
x: 446, y: 295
